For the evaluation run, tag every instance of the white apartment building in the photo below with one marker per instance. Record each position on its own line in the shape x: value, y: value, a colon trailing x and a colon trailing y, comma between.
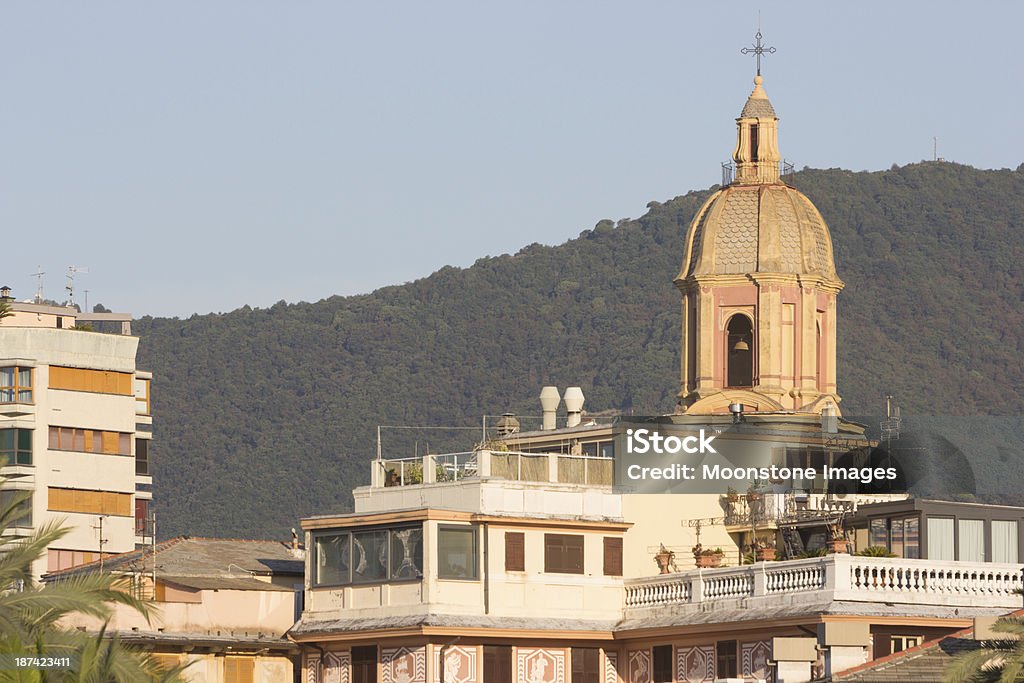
x: 75, y: 428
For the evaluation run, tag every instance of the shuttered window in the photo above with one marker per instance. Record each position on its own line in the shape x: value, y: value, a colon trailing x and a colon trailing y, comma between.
x: 563, y: 554
x: 90, y: 502
x: 239, y: 669
x: 586, y: 665
x: 96, y: 381
x: 612, y: 556
x: 515, y: 551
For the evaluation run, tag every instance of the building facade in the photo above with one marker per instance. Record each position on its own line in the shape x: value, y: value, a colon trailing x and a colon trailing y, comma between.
x: 524, y: 562
x: 75, y: 431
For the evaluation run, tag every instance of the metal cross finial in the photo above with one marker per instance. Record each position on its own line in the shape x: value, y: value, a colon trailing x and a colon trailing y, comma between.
x: 758, y: 50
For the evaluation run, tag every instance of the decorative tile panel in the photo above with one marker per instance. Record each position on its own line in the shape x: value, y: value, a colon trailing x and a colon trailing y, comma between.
x: 695, y: 664
x: 639, y: 666
x: 460, y: 664
x: 611, y: 667
x: 754, y: 658
x: 404, y: 665
x: 536, y: 665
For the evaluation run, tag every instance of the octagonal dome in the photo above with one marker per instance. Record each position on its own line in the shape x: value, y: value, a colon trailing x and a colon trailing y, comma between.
x: 759, y: 228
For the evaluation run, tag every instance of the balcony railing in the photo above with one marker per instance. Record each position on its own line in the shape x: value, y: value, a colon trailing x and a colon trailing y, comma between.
x: 836, y: 577
x: 540, y: 467
x: 792, y: 508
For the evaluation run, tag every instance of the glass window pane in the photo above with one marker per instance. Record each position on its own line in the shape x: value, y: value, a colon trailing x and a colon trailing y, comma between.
x: 7, y: 440
x: 456, y: 553
x: 407, y: 553
x: 24, y: 439
x: 25, y: 378
x: 896, y: 537
x: 1004, y: 541
x: 911, y: 538
x: 369, y: 556
x: 879, y: 535
x: 7, y: 377
x: 940, y: 538
x: 332, y: 560
x: 972, y: 540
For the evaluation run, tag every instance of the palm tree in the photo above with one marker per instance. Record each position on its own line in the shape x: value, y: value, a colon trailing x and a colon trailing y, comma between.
x: 996, y: 661
x: 30, y: 614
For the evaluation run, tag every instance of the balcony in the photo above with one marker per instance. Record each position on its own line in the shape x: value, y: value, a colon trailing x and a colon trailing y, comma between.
x: 556, y: 468
x: 769, y: 510
x: 827, y: 579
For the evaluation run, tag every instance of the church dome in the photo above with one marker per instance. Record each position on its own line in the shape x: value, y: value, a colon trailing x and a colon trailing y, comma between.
x: 758, y: 224
x: 758, y: 228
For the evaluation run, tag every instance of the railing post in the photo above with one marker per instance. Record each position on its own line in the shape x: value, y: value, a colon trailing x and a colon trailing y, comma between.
x: 377, y: 474
x: 697, y: 588
x: 552, y: 467
x: 429, y: 470
x: 483, y: 464
x: 760, y: 578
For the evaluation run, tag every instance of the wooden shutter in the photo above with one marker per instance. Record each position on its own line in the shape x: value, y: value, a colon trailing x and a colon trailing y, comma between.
x: 239, y: 669
x: 515, y: 551
x: 563, y: 554
x: 612, y: 556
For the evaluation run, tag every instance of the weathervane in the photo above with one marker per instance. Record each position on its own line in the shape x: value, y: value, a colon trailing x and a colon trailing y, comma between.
x: 758, y: 49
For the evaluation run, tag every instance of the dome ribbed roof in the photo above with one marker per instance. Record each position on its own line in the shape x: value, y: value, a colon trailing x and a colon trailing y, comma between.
x: 771, y: 228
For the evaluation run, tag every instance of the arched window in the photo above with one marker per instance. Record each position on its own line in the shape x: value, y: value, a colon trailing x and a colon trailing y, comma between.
x: 740, y: 352
x: 818, y: 356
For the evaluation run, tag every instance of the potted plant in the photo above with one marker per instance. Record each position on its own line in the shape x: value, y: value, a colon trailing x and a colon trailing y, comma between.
x: 664, y: 558
x: 732, y: 495
x: 764, y: 550
x: 837, y: 543
x: 706, y: 557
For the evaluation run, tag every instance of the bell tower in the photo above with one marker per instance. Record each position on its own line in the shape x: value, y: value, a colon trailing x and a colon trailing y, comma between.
x: 758, y: 286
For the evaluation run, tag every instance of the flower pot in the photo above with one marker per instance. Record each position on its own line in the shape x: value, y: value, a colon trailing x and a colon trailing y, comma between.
x: 708, y: 561
x: 664, y: 560
x: 839, y: 546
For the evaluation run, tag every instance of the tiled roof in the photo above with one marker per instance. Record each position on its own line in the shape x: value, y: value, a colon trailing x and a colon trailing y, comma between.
x: 922, y: 664
x: 210, y: 557
x: 759, y: 108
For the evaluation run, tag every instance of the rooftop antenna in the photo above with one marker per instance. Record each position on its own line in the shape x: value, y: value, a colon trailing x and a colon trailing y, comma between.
x: 70, y: 286
x: 39, y: 284
x: 103, y: 541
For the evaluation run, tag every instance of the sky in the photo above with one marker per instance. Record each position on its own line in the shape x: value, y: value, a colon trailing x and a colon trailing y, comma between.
x: 196, y: 157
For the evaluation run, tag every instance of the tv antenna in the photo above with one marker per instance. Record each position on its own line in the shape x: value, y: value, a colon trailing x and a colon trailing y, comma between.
x: 39, y: 284
x: 70, y: 286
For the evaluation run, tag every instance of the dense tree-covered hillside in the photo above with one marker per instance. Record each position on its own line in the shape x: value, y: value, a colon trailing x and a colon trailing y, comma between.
x: 267, y: 415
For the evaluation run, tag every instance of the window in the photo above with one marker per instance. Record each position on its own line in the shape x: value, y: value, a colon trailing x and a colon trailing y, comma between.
x: 456, y: 552
x: 141, y: 387
x: 239, y: 669
x: 585, y: 665
x: 142, y: 458
x: 901, y: 643
x: 662, y: 663
x: 940, y: 538
x: 515, y: 551
x: 15, y: 385
x: 498, y: 663
x: 740, y: 340
x: 64, y: 559
x: 89, y: 502
x: 142, y: 516
x: 725, y: 659
x: 364, y: 664
x: 90, y: 441
x: 368, y: 556
x: 612, y: 556
x: 563, y: 554
x: 911, y: 538
x: 753, y: 142
x: 24, y: 506
x: 1004, y: 541
x: 96, y: 381
x: 16, y: 446
x: 972, y: 540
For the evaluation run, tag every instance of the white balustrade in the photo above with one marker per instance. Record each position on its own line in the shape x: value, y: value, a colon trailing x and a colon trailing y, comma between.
x: 837, y: 577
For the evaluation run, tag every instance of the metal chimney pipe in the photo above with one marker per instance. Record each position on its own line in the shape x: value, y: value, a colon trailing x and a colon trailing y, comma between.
x: 573, y: 398
x: 549, y: 400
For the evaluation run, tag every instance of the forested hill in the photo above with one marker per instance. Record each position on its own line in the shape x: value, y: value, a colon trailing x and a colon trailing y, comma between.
x: 266, y: 415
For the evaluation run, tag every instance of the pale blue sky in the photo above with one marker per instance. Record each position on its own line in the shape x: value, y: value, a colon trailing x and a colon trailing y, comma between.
x: 198, y: 156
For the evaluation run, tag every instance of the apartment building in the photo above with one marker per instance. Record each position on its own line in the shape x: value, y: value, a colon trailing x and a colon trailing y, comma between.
x: 75, y: 430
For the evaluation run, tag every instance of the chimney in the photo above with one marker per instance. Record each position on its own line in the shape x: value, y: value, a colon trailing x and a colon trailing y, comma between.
x: 573, y: 398
x: 549, y: 400
x: 295, y: 540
